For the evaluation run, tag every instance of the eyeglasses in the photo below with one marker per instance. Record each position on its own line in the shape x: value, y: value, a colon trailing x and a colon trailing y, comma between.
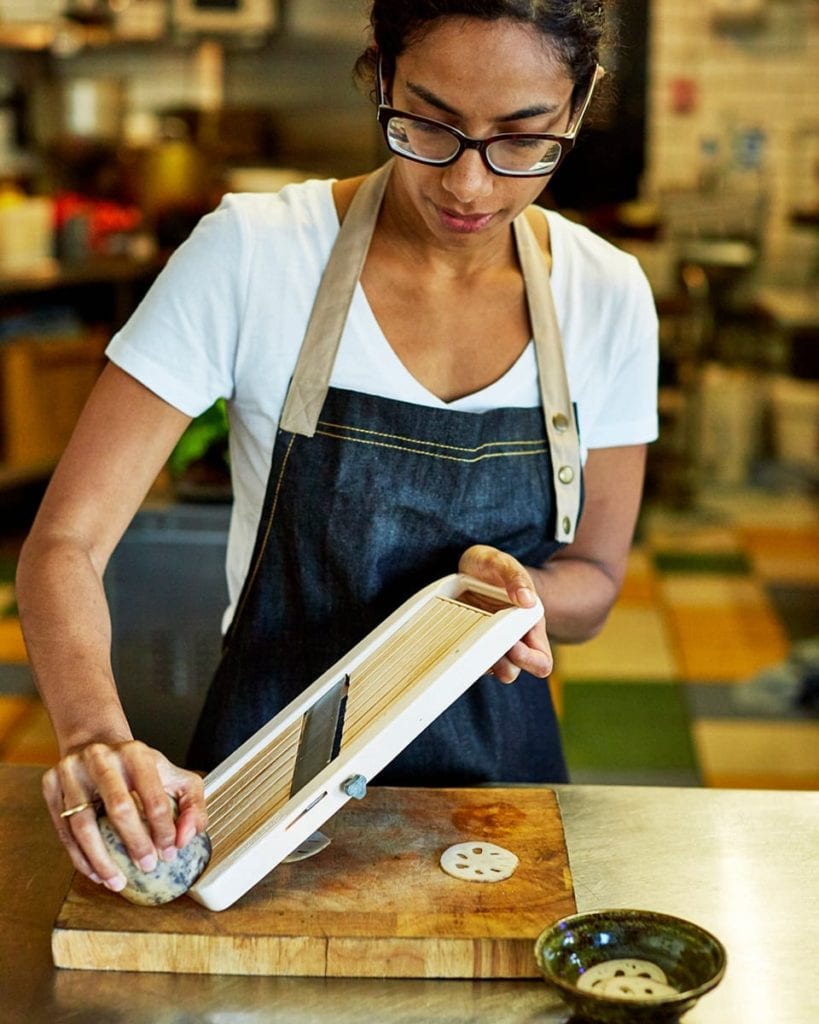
x: 511, y: 154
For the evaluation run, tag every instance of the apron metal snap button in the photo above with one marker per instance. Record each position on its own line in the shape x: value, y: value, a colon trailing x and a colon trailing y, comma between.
x: 566, y: 524
x: 560, y: 422
x: 565, y: 474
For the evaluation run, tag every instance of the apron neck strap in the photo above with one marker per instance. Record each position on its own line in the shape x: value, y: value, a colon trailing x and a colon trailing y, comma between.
x: 558, y: 411
x: 311, y: 377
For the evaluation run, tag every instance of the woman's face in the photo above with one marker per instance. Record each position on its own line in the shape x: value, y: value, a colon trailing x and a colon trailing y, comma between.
x: 484, y: 77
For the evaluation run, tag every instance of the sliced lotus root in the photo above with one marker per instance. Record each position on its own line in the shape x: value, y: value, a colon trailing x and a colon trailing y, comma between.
x: 478, y: 862
x: 626, y: 979
x: 635, y: 989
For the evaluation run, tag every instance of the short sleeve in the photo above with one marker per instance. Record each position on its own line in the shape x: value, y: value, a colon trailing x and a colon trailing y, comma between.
x: 181, y: 341
x: 625, y: 410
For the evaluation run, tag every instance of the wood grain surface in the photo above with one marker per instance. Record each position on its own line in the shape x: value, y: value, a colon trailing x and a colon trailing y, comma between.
x: 375, y: 903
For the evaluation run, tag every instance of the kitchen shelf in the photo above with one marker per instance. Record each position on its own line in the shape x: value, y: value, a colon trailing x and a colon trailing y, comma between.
x: 44, y: 381
x: 97, y: 270
x: 43, y: 387
x: 101, y: 289
x: 45, y: 35
x: 67, y: 37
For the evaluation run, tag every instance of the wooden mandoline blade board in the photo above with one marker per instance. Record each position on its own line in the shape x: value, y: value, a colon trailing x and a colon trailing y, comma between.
x: 397, y: 680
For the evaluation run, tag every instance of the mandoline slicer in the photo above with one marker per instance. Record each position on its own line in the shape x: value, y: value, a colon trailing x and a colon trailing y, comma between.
x: 272, y: 793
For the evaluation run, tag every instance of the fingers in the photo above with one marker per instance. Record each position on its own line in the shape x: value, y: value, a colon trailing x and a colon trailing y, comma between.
x: 523, y: 658
x: 505, y: 671
x: 66, y: 786
x: 189, y: 792
x: 532, y: 653
x: 135, y: 802
x: 53, y: 794
x: 132, y: 783
x: 493, y: 566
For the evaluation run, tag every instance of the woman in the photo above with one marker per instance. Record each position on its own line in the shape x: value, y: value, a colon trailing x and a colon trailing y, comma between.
x: 423, y: 429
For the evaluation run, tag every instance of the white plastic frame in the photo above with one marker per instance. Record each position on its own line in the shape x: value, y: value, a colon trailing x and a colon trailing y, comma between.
x: 489, y: 635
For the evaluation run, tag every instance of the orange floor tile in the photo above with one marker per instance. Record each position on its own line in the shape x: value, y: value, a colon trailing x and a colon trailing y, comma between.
x: 726, y: 644
x: 782, y: 754
x: 640, y: 583
x: 791, y: 556
x: 12, y: 645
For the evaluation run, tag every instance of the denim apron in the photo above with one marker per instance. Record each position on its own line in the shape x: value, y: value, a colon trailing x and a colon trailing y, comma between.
x: 368, y: 500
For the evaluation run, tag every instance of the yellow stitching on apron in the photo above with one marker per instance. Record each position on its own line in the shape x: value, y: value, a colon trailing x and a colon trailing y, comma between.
x: 431, y: 444
x: 254, y: 572
x: 432, y: 455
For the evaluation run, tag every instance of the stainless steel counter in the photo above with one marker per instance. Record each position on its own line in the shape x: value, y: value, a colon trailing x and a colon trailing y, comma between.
x: 743, y: 864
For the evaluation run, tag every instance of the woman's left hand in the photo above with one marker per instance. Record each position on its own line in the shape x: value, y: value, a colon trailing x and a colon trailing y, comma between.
x: 532, y: 653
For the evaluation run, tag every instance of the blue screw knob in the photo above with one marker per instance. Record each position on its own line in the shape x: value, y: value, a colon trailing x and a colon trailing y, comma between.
x: 355, y: 786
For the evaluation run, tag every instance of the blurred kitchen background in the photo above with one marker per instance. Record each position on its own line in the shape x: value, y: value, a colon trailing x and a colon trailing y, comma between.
x: 123, y: 121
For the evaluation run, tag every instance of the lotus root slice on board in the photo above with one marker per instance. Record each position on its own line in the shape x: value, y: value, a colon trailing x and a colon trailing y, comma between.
x: 478, y: 862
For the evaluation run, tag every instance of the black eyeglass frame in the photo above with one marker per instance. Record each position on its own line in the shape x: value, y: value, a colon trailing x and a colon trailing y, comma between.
x: 385, y: 113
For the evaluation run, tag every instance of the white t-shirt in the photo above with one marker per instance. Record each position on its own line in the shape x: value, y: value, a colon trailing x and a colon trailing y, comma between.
x: 227, y: 316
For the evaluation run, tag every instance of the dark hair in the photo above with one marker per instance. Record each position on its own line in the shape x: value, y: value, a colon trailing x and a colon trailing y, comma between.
x: 574, y: 27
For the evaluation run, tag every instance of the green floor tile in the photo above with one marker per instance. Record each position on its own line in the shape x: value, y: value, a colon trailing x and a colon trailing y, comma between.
x: 626, y: 727
x: 723, y: 563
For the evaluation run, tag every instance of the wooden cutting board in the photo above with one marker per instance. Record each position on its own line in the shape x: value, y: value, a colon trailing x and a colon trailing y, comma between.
x: 375, y: 903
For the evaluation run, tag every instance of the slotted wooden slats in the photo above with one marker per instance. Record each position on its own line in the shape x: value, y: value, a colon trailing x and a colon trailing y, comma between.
x: 246, y: 801
x: 410, y: 654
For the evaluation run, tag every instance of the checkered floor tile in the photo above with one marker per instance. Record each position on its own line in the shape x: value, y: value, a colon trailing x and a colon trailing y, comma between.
x: 703, y: 671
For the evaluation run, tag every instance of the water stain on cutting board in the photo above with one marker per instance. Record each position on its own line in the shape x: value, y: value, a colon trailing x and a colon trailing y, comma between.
x: 496, y: 819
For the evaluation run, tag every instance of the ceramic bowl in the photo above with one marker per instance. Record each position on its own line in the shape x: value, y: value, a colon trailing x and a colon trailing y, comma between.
x: 692, y: 960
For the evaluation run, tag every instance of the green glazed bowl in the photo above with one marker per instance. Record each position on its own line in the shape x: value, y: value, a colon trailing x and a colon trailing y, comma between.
x: 692, y: 959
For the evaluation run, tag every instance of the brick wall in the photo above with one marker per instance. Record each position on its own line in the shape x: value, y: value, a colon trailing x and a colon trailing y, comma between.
x: 713, y: 81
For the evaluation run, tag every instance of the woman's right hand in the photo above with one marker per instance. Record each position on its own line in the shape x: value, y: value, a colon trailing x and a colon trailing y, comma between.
x: 117, y: 775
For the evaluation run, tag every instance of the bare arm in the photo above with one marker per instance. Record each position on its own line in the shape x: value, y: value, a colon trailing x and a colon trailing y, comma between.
x: 579, y: 585
x: 581, y: 582
x: 121, y: 442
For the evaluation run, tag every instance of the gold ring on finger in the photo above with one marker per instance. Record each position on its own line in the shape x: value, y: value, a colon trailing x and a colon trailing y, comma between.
x: 76, y: 809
